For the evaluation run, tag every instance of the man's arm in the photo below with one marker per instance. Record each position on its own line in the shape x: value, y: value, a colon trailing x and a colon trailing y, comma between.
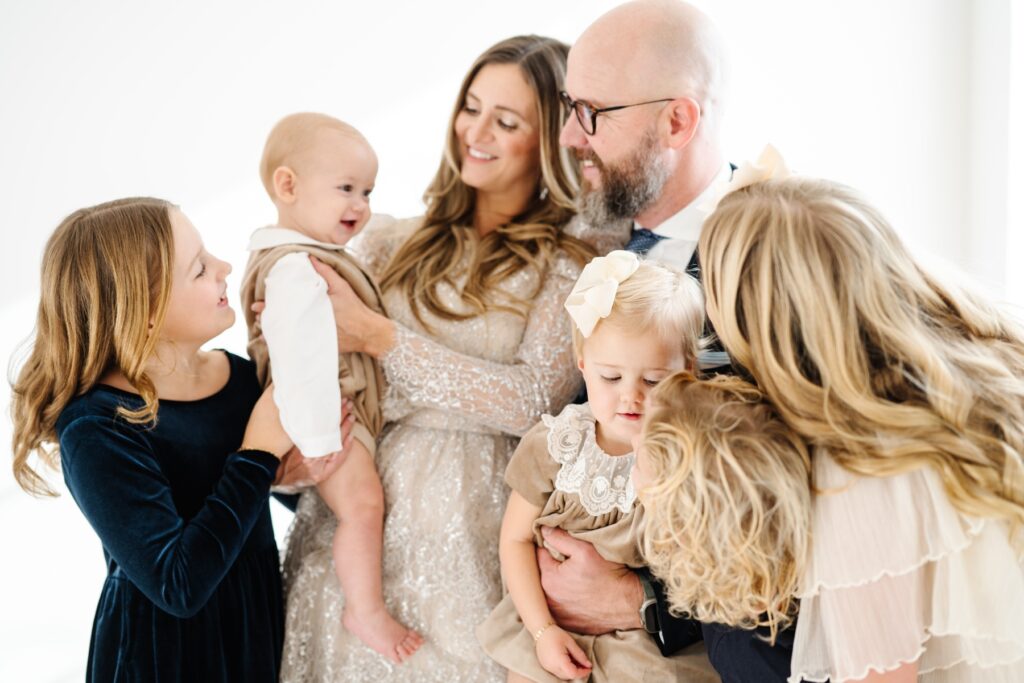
x: 585, y: 592
x: 588, y: 594
x: 670, y: 633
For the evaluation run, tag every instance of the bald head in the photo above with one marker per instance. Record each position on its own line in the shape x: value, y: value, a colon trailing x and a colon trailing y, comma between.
x: 650, y: 49
x: 296, y: 136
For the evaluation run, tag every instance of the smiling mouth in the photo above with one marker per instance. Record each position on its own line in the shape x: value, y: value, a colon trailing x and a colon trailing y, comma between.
x: 477, y: 154
x: 351, y: 225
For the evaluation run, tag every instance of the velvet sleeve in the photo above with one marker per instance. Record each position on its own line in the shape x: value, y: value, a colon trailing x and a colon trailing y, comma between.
x: 116, y: 481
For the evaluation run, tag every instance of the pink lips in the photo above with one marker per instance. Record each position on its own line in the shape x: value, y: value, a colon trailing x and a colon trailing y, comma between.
x: 632, y: 417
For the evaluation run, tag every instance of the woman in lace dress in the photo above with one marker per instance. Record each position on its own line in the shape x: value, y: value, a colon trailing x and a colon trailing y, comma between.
x: 912, y: 397
x: 477, y: 348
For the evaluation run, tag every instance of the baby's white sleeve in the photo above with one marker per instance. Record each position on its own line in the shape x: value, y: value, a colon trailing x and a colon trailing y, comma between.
x: 298, y: 325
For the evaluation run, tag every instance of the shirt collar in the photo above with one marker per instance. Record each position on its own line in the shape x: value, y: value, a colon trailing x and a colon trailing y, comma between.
x: 686, y: 224
x: 276, y: 236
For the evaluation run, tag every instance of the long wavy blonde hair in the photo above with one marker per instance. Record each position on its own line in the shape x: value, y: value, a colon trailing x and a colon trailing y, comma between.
x: 727, y: 513
x: 432, y: 255
x: 106, y: 275
x: 863, y: 352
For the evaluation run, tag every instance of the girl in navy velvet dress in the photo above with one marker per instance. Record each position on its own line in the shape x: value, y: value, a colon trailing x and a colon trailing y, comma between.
x: 157, y: 446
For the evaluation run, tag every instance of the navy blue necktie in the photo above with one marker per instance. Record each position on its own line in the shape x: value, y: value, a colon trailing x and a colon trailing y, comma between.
x: 641, y: 241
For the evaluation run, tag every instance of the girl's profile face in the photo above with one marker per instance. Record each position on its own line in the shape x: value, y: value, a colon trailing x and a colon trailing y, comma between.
x: 197, y: 310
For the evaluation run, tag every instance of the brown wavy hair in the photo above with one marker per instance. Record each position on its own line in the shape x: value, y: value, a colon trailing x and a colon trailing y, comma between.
x: 728, y: 510
x: 433, y: 254
x: 106, y: 274
x: 863, y: 352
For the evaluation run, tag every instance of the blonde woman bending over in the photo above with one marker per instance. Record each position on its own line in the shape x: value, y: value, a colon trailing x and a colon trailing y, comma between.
x: 911, y: 396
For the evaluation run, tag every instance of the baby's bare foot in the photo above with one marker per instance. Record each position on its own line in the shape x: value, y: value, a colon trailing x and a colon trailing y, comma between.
x: 381, y: 633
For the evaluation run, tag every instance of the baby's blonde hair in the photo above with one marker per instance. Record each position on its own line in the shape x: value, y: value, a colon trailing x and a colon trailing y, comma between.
x: 727, y: 513
x: 660, y: 299
x: 293, y: 135
x: 863, y: 352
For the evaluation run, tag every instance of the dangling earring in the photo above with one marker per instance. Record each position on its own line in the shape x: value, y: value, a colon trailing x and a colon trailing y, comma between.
x: 543, y: 193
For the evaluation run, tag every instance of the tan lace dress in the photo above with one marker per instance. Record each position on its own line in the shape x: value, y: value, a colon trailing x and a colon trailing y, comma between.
x: 559, y: 468
x: 457, y: 403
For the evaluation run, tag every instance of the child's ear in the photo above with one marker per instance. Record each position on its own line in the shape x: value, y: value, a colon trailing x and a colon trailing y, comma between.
x: 284, y: 184
x: 579, y: 362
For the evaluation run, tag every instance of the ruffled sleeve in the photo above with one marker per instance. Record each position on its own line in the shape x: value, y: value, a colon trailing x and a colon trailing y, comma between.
x: 531, y: 471
x: 897, y: 575
x: 508, y: 396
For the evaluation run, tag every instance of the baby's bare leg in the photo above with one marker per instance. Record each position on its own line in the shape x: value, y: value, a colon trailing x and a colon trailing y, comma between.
x: 513, y: 677
x: 355, y: 496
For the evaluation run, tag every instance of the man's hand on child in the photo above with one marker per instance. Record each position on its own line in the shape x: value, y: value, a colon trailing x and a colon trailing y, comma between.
x: 585, y: 592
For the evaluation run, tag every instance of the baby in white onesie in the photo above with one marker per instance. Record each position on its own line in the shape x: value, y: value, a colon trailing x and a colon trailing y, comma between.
x: 320, y: 172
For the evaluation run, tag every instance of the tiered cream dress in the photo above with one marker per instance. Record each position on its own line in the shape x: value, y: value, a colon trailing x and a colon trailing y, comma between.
x: 460, y: 396
x: 897, y: 574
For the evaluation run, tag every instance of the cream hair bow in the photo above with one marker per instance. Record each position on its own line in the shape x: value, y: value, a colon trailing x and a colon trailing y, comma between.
x: 594, y: 293
x: 767, y: 167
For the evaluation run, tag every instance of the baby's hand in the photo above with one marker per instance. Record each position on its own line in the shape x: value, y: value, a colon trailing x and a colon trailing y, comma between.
x: 560, y: 655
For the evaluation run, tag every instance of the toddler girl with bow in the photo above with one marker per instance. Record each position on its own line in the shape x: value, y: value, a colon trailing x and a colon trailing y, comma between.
x: 635, y: 323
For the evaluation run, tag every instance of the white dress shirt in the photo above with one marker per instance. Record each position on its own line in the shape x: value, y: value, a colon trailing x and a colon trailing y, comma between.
x: 298, y: 326
x: 683, y: 229
x: 683, y: 233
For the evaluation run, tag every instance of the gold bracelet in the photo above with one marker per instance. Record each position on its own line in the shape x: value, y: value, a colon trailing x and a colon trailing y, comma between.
x: 540, y: 631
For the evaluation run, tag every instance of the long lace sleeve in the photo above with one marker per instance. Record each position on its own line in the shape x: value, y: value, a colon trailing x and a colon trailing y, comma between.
x: 510, y: 397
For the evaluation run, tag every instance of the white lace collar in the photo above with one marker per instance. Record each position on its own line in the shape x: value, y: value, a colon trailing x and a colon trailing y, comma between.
x: 601, y: 481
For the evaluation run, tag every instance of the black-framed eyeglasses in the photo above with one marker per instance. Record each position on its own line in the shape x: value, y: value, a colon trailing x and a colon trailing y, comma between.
x: 586, y: 114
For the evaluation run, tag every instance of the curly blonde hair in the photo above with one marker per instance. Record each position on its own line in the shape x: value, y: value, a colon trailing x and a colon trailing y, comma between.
x: 433, y: 254
x: 727, y: 513
x: 862, y: 352
x: 106, y: 275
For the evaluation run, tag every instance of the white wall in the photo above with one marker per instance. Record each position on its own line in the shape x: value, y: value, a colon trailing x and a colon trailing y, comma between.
x: 905, y: 99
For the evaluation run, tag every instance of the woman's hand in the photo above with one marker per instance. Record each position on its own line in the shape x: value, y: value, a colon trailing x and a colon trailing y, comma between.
x: 297, y: 472
x: 560, y: 654
x: 586, y: 593
x: 359, y: 328
x: 264, y: 431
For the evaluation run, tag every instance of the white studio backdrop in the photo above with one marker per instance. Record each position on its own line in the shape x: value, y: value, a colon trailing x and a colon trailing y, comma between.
x: 908, y: 100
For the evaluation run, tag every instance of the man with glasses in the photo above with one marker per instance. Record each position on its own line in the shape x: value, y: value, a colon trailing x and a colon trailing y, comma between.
x: 644, y: 102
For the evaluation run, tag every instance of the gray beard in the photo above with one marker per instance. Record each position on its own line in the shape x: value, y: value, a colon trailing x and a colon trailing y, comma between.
x: 627, y: 189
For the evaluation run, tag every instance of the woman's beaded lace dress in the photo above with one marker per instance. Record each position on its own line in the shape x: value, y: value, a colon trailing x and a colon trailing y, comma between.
x: 460, y: 396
